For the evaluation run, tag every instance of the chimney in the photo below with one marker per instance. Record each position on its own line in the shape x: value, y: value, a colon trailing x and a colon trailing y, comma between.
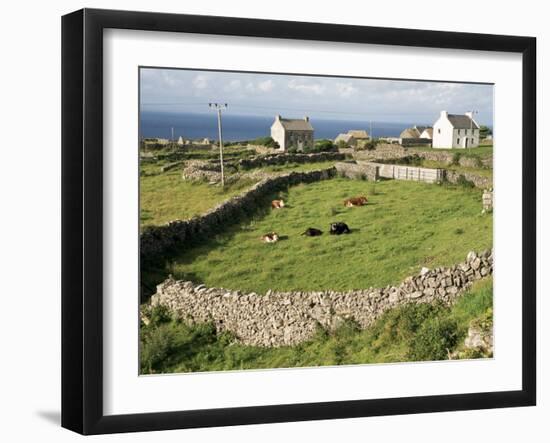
x: 306, y: 118
x: 444, y: 114
x: 277, y: 117
x: 469, y: 114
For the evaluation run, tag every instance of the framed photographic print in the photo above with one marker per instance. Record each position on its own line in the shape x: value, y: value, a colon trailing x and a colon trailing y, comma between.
x: 270, y: 221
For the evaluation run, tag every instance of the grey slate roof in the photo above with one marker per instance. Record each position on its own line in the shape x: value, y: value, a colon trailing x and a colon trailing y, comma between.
x: 420, y: 129
x: 462, y: 121
x: 296, y: 125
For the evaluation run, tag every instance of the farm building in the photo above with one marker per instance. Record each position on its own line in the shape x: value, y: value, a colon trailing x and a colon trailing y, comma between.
x: 359, y: 134
x: 292, y: 133
x: 455, y: 131
x: 348, y: 139
x: 415, y: 135
x: 427, y: 133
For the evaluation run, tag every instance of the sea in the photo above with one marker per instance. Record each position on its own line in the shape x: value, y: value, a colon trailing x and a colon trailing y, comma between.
x: 246, y: 127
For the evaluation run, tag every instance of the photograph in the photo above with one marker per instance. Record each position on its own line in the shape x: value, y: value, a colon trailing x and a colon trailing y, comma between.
x: 294, y: 220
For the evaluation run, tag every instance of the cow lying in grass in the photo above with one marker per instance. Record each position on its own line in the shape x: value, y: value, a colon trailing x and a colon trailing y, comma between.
x: 270, y: 237
x: 355, y: 201
x: 339, y: 228
x: 277, y: 204
x: 312, y: 232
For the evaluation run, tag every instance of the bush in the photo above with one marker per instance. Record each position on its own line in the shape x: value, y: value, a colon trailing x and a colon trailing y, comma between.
x: 464, y: 182
x: 323, y: 145
x: 456, y: 159
x: 367, y: 145
x: 268, y: 142
x: 342, y: 144
x: 435, y: 340
x: 371, y: 145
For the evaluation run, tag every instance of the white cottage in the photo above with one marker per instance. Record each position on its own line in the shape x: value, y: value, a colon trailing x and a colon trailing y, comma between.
x: 455, y: 131
x: 292, y: 133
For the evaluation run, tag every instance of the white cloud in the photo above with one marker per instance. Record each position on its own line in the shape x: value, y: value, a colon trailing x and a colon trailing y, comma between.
x: 200, y: 82
x: 233, y: 85
x: 307, y: 87
x: 266, y: 85
x: 345, y: 89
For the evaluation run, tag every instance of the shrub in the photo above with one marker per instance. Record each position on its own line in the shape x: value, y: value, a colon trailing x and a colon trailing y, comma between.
x: 367, y: 146
x: 456, y: 159
x: 409, y: 160
x: 158, y: 346
x: 342, y: 144
x: 268, y: 142
x: 324, y: 145
x: 434, y: 340
x: 464, y: 182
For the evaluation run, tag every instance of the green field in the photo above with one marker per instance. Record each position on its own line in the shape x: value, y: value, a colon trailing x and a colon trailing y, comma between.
x: 405, y: 226
x: 408, y: 333
x: 481, y: 151
x: 166, y: 196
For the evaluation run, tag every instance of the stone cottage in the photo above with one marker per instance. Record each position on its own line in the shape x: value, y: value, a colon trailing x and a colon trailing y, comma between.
x: 348, y: 139
x: 455, y: 131
x: 292, y: 133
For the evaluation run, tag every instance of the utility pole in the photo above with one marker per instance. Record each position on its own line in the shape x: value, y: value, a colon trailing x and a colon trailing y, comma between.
x: 218, y: 107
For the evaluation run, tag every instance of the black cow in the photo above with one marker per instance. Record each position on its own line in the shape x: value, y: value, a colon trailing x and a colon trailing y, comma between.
x: 339, y: 228
x: 312, y: 232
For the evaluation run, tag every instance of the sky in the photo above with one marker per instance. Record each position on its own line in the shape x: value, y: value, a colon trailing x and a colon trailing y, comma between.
x: 294, y: 96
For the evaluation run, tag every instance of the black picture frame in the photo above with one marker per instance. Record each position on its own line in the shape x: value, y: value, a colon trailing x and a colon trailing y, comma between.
x: 82, y: 218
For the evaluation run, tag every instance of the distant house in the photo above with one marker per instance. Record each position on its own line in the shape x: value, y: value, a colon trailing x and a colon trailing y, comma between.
x: 292, y: 133
x: 205, y: 141
x: 181, y: 141
x: 427, y: 133
x: 415, y: 135
x: 348, y: 139
x: 455, y: 131
x: 359, y: 134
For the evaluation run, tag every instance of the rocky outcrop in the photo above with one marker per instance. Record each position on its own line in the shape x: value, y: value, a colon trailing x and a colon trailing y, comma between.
x: 288, y: 318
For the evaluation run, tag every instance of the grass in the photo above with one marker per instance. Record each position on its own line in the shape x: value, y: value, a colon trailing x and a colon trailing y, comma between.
x: 299, y: 167
x: 165, y: 197
x: 412, y: 332
x: 405, y: 226
x: 483, y: 172
x: 480, y: 151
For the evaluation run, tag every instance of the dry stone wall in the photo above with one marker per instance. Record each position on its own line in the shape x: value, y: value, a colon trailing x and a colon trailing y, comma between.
x: 479, y: 181
x: 356, y: 171
x: 287, y: 318
x: 281, y: 159
x: 157, y: 241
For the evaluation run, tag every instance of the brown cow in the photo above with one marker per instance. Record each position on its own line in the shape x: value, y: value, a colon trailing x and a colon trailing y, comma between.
x: 277, y: 204
x: 270, y: 237
x: 355, y: 201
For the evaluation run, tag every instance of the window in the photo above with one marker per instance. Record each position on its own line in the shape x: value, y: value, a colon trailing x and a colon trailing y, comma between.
x: 457, y: 141
x: 438, y: 130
